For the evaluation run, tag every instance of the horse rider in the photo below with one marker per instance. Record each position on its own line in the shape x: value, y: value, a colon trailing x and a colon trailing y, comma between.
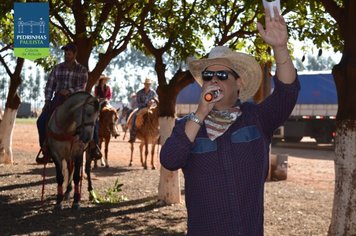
x: 144, y: 98
x: 65, y: 78
x: 103, y: 92
x: 131, y: 106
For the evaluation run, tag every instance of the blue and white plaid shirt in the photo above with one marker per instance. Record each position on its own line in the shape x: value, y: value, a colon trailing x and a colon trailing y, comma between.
x: 143, y: 98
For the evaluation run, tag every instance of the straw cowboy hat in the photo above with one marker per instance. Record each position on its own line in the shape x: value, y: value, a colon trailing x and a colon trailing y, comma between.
x: 244, y: 65
x: 148, y: 81
x: 103, y: 77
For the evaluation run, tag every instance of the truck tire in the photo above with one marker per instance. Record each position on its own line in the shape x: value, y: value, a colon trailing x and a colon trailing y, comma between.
x: 324, y: 138
x: 324, y: 135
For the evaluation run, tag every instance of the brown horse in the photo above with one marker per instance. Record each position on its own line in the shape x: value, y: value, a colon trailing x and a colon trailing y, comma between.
x: 108, y: 123
x: 147, y: 131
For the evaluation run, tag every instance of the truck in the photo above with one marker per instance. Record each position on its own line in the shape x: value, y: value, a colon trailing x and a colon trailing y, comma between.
x: 24, y: 110
x: 313, y: 116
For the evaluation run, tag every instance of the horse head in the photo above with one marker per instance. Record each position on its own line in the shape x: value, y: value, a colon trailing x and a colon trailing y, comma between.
x: 90, y: 113
x: 77, y: 116
x: 108, y: 122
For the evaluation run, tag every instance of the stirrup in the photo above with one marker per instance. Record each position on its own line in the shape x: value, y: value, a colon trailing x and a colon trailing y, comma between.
x: 95, y: 153
x: 44, y: 159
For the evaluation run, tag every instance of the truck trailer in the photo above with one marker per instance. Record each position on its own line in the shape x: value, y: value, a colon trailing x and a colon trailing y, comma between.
x: 315, y: 112
x: 313, y: 116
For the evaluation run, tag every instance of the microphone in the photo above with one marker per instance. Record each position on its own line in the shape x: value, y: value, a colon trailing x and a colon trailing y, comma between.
x: 211, y: 95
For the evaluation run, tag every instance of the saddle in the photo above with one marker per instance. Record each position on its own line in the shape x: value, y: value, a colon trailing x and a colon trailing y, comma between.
x: 140, y: 116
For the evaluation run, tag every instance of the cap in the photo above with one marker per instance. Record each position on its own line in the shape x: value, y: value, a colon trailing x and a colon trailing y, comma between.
x: 70, y: 46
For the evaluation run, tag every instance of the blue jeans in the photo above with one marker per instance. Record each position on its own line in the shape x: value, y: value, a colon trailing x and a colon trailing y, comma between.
x: 44, y: 117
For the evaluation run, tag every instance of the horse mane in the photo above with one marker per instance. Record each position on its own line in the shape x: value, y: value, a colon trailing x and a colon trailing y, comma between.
x: 86, y: 95
x: 78, y: 93
x: 150, y: 122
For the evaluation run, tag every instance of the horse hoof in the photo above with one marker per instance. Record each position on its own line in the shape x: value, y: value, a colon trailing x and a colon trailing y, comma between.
x: 107, y: 166
x: 153, y: 167
x: 76, y: 206
x: 130, y: 164
x: 145, y: 167
x: 58, y: 207
x: 66, y: 196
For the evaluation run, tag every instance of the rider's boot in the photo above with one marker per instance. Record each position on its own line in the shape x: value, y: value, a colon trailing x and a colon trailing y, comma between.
x: 95, y: 152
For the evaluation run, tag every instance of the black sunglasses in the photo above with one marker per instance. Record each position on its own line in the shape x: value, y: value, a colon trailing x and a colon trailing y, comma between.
x: 208, y: 75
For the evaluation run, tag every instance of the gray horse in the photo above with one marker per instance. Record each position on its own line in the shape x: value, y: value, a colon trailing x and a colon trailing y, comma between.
x: 70, y: 129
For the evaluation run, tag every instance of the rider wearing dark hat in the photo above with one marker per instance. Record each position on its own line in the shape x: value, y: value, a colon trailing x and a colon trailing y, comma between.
x: 66, y: 78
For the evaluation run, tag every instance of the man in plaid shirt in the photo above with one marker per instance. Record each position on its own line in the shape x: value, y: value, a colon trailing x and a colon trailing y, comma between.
x: 66, y: 78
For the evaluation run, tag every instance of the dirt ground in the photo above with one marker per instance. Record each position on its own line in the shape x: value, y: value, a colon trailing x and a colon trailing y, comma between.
x: 301, y: 205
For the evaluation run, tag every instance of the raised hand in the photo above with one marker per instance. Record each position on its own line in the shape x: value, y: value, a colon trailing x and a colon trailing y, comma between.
x: 275, y: 33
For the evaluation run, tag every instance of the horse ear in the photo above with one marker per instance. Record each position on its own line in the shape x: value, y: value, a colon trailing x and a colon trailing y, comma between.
x: 95, y: 102
x: 102, y: 103
x: 156, y: 100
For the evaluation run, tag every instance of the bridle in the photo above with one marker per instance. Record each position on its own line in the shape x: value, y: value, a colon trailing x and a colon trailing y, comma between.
x: 80, y: 128
x: 70, y: 136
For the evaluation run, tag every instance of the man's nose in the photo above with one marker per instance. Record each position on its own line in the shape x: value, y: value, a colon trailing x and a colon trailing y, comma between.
x: 214, y: 79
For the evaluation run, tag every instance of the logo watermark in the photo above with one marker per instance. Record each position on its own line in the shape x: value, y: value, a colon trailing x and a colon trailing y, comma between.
x: 31, y: 30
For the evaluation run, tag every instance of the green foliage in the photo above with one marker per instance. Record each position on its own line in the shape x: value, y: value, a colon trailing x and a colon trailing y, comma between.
x: 309, y: 20
x: 172, y: 26
x: 111, y: 195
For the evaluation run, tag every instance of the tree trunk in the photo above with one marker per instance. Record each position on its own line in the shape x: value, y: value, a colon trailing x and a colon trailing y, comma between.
x: 344, y: 207
x: 6, y: 130
x: 169, y: 185
x: 343, y: 221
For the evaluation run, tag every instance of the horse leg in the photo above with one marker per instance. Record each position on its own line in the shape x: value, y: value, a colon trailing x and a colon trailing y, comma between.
x: 95, y: 160
x: 67, y: 192
x: 107, y: 140
x: 88, y: 173
x: 60, y: 180
x: 125, y: 131
x: 152, y: 156
x: 78, y: 162
x: 144, y: 163
x: 132, y: 149
x: 100, y: 145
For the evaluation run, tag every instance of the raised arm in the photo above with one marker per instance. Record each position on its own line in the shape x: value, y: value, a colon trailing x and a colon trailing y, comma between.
x: 276, y: 35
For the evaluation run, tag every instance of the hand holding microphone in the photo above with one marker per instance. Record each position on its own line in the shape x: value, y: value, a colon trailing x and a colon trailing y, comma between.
x: 209, y: 96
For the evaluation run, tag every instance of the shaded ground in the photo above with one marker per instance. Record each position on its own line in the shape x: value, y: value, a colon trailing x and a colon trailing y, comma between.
x: 299, y: 206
